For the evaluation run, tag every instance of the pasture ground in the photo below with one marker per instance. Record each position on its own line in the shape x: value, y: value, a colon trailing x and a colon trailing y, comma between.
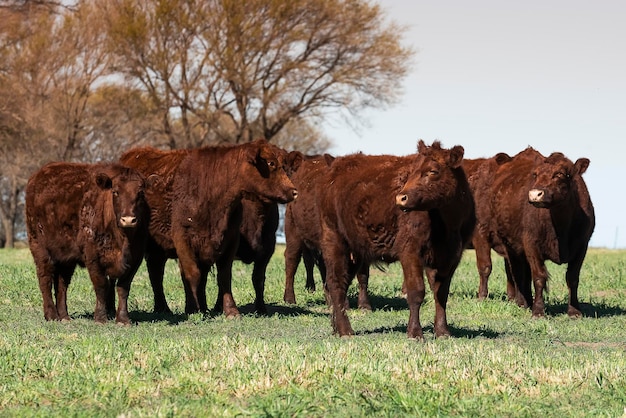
x: 500, y: 362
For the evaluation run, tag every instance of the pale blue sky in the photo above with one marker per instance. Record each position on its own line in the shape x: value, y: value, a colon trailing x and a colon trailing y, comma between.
x: 498, y: 76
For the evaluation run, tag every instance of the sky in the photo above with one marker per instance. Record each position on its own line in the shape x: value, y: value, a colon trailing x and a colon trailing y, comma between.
x: 499, y: 76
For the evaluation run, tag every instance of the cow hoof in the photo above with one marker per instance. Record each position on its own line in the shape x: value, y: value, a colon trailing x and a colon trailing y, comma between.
x: 574, y: 313
x: 232, y: 315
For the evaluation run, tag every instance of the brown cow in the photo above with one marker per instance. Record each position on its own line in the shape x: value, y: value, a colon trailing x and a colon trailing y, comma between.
x: 93, y: 216
x: 197, y: 212
x: 416, y: 209
x: 303, y: 231
x: 539, y: 209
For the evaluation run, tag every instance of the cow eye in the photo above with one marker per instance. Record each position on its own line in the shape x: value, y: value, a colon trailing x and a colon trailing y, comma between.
x: 271, y: 165
x: 116, y: 193
x: 433, y: 173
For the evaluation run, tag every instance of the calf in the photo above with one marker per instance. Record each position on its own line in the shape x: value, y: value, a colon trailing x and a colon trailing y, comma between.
x: 93, y: 216
x: 303, y: 231
x: 416, y: 209
x: 198, y: 211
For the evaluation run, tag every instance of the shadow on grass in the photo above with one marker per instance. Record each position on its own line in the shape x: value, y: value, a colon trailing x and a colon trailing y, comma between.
x: 248, y: 309
x: 274, y: 309
x: 384, y: 303
x: 596, y: 310
x: 428, y: 329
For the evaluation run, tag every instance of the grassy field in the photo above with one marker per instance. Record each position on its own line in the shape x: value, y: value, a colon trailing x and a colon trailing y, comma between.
x: 500, y: 362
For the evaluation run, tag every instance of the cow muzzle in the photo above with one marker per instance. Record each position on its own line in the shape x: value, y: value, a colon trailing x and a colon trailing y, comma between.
x: 401, y: 199
x: 538, y: 198
x: 128, y: 221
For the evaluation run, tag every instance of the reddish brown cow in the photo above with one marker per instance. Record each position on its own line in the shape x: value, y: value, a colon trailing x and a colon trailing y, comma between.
x: 416, y: 209
x: 197, y: 212
x: 303, y: 231
x: 538, y: 209
x: 93, y: 216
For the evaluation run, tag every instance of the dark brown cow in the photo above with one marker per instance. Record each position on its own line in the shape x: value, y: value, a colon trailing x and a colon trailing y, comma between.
x: 536, y: 209
x: 197, y: 212
x: 303, y: 231
x: 416, y: 209
x: 93, y: 216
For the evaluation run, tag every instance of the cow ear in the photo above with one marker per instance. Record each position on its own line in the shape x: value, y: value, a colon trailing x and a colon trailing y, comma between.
x: 502, y: 158
x: 421, y: 146
x: 329, y: 159
x: 103, y: 181
x: 293, y: 160
x: 581, y: 165
x: 253, y: 152
x: 456, y: 156
x: 152, y: 180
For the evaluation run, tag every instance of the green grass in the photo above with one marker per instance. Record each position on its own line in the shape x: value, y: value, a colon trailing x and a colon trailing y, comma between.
x: 500, y: 362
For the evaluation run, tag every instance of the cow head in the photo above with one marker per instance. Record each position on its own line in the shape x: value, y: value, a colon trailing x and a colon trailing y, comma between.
x: 265, y: 174
x: 433, y: 177
x: 552, y: 179
x: 126, y: 189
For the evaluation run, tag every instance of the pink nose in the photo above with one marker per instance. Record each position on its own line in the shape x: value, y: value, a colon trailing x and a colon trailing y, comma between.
x: 535, y: 195
x: 128, y: 221
x: 401, y: 199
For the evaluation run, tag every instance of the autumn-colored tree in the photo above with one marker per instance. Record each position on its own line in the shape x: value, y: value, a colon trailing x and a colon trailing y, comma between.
x: 244, y: 69
x: 50, y: 60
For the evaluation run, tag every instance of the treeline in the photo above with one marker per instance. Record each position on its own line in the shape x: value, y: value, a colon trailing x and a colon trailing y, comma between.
x: 85, y: 80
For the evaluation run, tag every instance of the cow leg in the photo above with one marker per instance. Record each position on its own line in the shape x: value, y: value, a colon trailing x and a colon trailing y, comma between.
x: 60, y: 286
x: 483, y: 264
x: 539, y: 274
x: 321, y: 266
x: 123, y: 289
x: 511, y: 288
x: 155, y: 263
x: 225, y: 301
x: 440, y: 286
x: 572, y: 277
x: 48, y: 277
x: 413, y: 283
x: 363, y: 276
x: 110, y: 299
x: 521, y: 278
x: 100, y: 287
x: 293, y: 252
x: 258, y: 281
x: 336, y: 260
x: 190, y: 275
x: 309, y: 266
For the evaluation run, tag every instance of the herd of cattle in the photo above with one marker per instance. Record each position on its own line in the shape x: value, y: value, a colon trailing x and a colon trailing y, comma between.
x: 209, y: 206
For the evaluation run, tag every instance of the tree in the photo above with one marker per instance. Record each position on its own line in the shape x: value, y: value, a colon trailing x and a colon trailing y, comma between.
x: 50, y: 58
x: 241, y: 70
